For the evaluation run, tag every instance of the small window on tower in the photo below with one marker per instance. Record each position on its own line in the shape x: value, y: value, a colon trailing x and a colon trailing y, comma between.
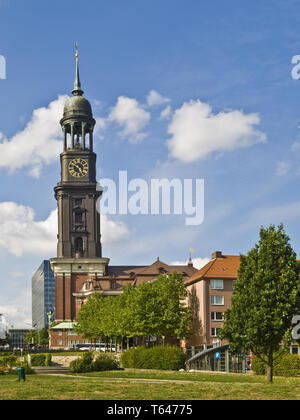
x: 78, y: 201
x: 78, y: 217
x: 78, y: 244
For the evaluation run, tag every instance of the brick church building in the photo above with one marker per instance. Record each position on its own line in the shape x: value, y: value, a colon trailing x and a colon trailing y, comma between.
x: 80, y: 269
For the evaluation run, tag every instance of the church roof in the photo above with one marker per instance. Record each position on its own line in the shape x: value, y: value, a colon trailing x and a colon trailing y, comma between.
x: 158, y: 267
x: 77, y: 105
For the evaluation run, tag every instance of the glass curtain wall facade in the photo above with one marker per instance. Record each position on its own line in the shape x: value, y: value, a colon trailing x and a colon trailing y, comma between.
x: 43, y: 295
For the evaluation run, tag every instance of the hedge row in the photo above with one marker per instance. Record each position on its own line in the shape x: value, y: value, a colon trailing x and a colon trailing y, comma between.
x: 86, y: 363
x: 285, y: 365
x: 9, y: 364
x: 40, y: 359
x: 161, y: 358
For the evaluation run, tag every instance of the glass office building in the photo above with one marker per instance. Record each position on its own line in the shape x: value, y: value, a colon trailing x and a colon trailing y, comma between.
x: 17, y: 338
x: 43, y: 295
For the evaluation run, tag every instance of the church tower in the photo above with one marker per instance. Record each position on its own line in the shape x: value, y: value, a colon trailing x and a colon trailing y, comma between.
x: 79, y: 259
x: 76, y: 193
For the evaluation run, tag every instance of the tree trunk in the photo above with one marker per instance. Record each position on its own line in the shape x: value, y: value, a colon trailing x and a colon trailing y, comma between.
x: 270, y: 369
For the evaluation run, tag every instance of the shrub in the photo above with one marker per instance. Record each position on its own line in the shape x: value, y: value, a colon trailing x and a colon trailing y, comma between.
x: 82, y: 364
x: 285, y: 365
x: 85, y: 363
x: 38, y: 359
x: 134, y: 358
x: 105, y: 362
x: 8, y: 362
x: 161, y: 358
x: 48, y: 359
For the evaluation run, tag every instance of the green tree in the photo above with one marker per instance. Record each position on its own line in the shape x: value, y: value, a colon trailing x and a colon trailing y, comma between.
x: 154, y: 308
x: 157, y: 308
x: 44, y: 337
x: 32, y: 337
x: 173, y: 315
x: 89, y: 322
x: 265, y: 298
x: 6, y: 340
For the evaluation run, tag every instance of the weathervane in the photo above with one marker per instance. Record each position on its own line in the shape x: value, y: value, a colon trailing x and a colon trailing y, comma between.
x: 76, y: 47
x: 77, y: 86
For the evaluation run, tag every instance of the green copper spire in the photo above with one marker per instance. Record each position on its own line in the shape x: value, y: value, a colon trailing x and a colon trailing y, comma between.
x: 77, y: 91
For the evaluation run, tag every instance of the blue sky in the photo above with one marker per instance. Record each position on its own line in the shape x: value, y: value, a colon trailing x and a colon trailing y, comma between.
x: 229, y: 59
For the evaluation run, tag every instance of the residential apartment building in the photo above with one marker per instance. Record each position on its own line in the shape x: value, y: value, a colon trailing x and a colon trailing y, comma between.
x: 211, y: 290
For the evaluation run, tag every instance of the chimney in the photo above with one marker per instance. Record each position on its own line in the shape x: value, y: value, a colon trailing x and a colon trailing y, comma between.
x: 190, y: 263
x: 216, y: 254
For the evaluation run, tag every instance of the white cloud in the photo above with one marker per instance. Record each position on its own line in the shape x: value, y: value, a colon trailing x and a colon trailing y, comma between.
x: 112, y: 231
x: 196, y: 132
x: 39, y: 143
x: 282, y: 168
x: 21, y: 234
x: 131, y: 117
x: 17, y: 314
x: 197, y: 262
x: 154, y: 99
x: 100, y: 127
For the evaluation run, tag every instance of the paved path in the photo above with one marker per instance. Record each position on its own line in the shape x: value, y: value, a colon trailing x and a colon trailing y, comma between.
x: 175, y: 381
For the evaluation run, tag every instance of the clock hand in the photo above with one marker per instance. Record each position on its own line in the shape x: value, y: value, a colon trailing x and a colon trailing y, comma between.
x: 80, y: 170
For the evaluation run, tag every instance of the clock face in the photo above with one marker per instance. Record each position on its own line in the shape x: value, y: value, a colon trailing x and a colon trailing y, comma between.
x: 78, y: 168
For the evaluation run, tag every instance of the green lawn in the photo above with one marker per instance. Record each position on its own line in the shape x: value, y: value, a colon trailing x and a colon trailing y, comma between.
x: 147, y: 385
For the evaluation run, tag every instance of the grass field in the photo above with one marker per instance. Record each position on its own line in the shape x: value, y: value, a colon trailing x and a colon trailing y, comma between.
x: 145, y: 385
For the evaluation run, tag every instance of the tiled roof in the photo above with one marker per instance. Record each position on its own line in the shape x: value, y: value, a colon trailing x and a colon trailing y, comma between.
x: 224, y: 267
x: 158, y: 267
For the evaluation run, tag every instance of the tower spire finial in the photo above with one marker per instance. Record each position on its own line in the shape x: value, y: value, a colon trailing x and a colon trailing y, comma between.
x: 77, y: 85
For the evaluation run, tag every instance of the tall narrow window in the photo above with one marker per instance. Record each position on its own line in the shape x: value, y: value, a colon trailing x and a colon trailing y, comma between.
x: 78, y: 217
x: 79, y: 244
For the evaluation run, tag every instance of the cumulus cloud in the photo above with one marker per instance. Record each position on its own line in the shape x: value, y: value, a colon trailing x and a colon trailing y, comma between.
x: 196, y: 132
x: 18, y: 313
x: 131, y: 117
x: 22, y: 234
x: 39, y: 143
x: 155, y: 99
x: 197, y: 262
x: 165, y: 113
x: 112, y: 231
x: 100, y: 127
